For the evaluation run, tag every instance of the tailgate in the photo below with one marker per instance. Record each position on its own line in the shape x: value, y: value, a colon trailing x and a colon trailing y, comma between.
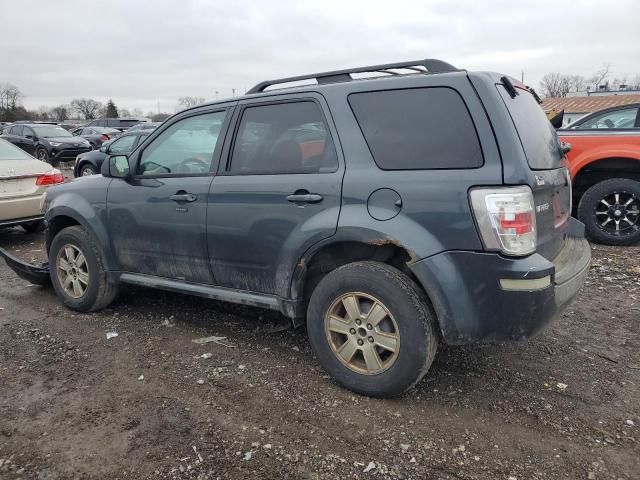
x: 547, y: 176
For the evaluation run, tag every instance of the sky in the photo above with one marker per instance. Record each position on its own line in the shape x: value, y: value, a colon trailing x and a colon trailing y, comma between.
x: 146, y: 54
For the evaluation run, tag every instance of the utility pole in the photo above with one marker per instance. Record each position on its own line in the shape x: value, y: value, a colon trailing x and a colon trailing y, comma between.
x: 233, y: 92
x: 522, y: 77
x: 217, y: 92
x: 158, y: 107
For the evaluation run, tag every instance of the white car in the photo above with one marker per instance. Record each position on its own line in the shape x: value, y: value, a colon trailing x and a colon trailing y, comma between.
x: 23, y: 183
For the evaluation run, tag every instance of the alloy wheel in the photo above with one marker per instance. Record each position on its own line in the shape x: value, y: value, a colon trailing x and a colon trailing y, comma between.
x: 618, y: 213
x: 72, y: 271
x: 86, y: 171
x: 362, y: 333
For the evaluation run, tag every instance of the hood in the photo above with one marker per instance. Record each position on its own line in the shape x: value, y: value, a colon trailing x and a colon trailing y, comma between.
x: 93, y: 155
x: 21, y: 168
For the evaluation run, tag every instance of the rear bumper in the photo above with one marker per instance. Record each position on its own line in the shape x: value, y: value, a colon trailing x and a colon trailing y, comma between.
x: 12, y: 210
x: 485, y: 297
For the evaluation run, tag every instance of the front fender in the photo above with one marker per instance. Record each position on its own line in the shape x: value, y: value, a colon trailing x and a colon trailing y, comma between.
x: 85, y: 204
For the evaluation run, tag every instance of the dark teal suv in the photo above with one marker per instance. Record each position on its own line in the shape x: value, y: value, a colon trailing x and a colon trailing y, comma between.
x: 412, y: 205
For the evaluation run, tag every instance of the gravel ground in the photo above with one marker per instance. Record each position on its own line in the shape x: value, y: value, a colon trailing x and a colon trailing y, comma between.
x: 151, y: 403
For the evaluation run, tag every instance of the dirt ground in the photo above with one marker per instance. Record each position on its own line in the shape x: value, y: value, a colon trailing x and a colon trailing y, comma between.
x: 147, y: 404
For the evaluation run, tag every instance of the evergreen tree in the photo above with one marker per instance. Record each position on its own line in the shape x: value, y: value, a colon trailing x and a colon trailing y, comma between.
x: 112, y: 110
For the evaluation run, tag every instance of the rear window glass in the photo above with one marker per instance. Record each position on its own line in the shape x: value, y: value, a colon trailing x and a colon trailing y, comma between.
x: 537, y: 136
x: 417, y: 129
x: 10, y: 152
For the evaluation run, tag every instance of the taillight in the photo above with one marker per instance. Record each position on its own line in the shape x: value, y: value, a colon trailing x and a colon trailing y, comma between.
x: 50, y: 178
x: 104, y: 137
x: 506, y: 219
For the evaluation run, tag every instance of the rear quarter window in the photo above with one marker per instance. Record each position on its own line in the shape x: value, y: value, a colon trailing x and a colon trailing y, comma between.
x: 417, y: 129
x: 538, y: 137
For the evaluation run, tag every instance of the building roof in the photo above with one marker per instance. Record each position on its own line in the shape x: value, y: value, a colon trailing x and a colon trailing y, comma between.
x: 588, y: 104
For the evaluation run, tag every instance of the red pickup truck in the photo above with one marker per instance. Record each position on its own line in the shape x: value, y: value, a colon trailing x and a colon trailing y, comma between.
x: 604, y: 162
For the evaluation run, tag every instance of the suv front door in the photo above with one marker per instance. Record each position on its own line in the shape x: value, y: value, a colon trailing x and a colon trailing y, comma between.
x: 278, y: 195
x: 157, y: 219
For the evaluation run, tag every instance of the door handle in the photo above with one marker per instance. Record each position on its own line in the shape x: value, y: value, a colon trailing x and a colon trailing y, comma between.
x: 183, y: 197
x: 304, y: 198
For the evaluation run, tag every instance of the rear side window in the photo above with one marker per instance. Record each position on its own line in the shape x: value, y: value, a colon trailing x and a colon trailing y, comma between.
x: 538, y: 137
x: 417, y: 129
x: 283, y: 138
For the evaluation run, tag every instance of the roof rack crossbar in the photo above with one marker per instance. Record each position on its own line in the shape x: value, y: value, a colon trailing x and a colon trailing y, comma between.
x: 431, y: 65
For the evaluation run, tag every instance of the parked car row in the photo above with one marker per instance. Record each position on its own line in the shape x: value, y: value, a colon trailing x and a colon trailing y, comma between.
x: 52, y: 143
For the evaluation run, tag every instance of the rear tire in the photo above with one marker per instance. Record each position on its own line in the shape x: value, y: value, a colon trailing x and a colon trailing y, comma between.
x: 391, y: 312
x: 94, y: 289
x: 601, y: 212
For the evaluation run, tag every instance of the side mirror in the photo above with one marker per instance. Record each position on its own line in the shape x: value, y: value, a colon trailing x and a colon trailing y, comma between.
x: 116, y: 166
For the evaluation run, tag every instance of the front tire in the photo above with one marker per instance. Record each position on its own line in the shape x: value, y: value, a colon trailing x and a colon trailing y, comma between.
x: 87, y: 170
x: 372, y: 328
x: 77, y: 271
x: 610, y: 211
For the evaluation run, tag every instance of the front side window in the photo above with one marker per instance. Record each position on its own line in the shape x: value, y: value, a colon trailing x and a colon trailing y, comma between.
x: 417, y: 129
x: 186, y: 147
x: 122, y: 145
x: 283, y: 138
x: 625, y: 118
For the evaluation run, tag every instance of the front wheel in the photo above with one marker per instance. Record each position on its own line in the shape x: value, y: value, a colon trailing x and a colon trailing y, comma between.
x: 372, y: 329
x: 610, y: 211
x: 42, y: 155
x: 77, y: 271
x: 87, y: 170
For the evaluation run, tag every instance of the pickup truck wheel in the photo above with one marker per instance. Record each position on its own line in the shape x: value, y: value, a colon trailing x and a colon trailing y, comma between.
x: 372, y: 329
x: 77, y: 271
x: 610, y: 211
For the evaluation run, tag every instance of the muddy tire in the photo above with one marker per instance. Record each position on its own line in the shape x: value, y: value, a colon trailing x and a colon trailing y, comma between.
x: 610, y: 211
x: 77, y: 271
x: 372, y: 328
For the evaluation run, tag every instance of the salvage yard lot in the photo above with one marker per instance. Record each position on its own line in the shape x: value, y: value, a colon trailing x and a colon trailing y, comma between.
x: 146, y: 404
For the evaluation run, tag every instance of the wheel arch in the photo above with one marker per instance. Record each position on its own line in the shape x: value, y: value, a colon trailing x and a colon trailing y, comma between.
x: 62, y: 216
x: 335, y: 252
x: 605, y: 168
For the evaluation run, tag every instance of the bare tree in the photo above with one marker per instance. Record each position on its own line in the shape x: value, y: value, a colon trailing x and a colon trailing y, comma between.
x: 554, y: 85
x: 43, y: 112
x: 187, y: 102
x: 576, y: 83
x: 124, y: 113
x: 10, y: 96
x: 87, y: 107
x: 635, y: 83
x: 60, y: 113
x: 600, y: 76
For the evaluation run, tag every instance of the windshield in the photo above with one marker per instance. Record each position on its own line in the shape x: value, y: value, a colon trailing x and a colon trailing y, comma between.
x: 50, y: 131
x: 10, y: 152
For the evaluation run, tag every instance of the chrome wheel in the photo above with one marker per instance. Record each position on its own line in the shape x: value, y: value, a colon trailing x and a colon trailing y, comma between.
x: 72, y: 271
x: 43, y: 155
x: 86, y: 171
x: 362, y: 333
x: 618, y: 213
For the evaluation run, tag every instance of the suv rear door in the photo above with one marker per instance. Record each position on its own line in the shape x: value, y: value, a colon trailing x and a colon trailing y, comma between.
x: 278, y: 194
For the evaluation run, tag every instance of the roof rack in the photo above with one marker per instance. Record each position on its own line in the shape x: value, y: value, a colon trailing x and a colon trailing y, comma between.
x: 429, y: 65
